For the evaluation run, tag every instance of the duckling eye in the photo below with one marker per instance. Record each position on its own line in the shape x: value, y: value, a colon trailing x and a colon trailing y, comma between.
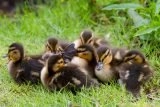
x: 60, y: 62
x: 15, y: 52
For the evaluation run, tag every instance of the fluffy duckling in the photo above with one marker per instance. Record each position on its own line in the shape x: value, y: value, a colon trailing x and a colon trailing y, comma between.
x: 22, y: 69
x: 105, y: 70
x: 86, y: 37
x: 52, y: 45
x: 85, y: 58
x: 134, y: 71
x: 57, y: 75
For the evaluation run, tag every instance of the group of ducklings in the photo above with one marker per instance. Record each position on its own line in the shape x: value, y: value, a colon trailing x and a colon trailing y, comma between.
x: 87, y: 62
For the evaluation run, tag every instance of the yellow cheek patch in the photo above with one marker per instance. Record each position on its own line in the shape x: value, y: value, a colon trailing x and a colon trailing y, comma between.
x: 80, y: 55
x: 138, y: 59
x: 14, y: 55
x: 104, y: 55
x: 85, y: 55
x: 55, y: 68
x: 107, y: 59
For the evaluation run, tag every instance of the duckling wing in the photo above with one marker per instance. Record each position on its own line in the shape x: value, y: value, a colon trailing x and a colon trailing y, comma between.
x: 69, y: 52
x: 33, y: 69
x: 75, y: 76
x: 23, y: 74
x: 35, y: 56
x: 35, y: 65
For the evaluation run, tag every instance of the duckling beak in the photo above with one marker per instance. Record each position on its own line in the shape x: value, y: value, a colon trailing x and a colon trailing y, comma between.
x: 99, y: 66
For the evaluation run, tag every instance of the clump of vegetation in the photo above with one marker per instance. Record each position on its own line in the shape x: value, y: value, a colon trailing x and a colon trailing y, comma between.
x: 140, y: 22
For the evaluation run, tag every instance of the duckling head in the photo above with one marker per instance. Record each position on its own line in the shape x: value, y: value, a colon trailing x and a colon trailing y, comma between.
x: 86, y: 37
x: 102, y: 68
x: 134, y: 56
x: 86, y: 52
x: 15, y: 52
x: 55, y: 62
x: 52, y: 45
x: 104, y: 55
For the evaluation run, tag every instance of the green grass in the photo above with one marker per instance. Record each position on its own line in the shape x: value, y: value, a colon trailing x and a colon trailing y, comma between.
x: 65, y: 21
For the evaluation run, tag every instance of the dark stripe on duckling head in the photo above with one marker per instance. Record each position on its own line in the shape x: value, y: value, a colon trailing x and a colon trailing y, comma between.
x: 101, y: 50
x: 104, y: 54
x: 52, y: 43
x: 86, y: 36
x: 134, y: 55
x: 85, y: 47
x: 17, y: 46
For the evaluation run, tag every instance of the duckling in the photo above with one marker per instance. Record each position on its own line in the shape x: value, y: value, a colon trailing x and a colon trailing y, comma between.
x: 56, y: 74
x: 53, y: 46
x: 86, y: 37
x: 105, y: 69
x: 134, y: 71
x: 22, y: 69
x: 85, y: 58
